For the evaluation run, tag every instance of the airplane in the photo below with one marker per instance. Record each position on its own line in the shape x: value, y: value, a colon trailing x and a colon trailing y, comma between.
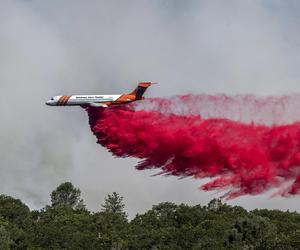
x: 102, y: 101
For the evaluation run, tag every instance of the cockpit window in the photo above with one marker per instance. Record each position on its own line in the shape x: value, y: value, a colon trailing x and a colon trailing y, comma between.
x: 52, y: 99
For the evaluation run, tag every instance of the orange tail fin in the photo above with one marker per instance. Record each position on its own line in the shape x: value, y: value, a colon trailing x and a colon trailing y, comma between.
x: 140, y: 89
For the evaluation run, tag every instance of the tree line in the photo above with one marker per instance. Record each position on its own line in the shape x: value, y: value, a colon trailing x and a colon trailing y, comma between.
x: 68, y: 224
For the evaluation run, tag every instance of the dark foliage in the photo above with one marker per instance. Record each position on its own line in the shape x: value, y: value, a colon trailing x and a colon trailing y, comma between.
x: 67, y: 195
x: 68, y: 225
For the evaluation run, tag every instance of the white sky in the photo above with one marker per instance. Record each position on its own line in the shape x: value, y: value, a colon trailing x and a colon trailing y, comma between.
x: 56, y: 47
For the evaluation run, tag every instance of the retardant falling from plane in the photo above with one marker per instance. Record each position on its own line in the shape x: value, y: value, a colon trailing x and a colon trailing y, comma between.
x: 242, y: 157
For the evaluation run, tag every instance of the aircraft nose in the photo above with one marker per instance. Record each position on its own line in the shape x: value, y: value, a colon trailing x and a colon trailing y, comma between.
x: 48, y: 103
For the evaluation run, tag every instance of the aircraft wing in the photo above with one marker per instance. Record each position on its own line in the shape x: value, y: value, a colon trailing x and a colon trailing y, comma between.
x: 97, y: 105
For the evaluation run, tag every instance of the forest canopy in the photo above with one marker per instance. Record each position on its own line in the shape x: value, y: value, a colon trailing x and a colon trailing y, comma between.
x: 67, y: 224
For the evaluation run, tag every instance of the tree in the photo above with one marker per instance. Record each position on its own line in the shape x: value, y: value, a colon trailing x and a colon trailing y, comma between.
x: 113, y: 204
x: 13, y: 210
x: 16, y: 219
x: 112, y: 229
x: 214, y: 204
x: 67, y: 195
x: 251, y: 232
x: 112, y: 224
x: 165, y: 226
x: 62, y: 227
x: 5, y: 240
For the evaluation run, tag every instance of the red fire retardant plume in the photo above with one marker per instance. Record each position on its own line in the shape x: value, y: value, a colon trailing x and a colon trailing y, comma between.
x: 243, y: 158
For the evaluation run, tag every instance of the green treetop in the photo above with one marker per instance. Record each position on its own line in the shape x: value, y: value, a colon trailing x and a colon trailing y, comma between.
x: 113, y: 203
x: 67, y: 195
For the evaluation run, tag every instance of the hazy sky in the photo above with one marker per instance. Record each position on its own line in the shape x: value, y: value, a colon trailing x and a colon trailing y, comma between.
x: 56, y: 47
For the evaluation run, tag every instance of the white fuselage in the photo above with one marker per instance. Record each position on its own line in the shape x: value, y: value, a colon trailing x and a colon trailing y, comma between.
x: 80, y: 100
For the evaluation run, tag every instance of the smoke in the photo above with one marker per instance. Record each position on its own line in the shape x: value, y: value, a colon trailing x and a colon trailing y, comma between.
x: 105, y: 47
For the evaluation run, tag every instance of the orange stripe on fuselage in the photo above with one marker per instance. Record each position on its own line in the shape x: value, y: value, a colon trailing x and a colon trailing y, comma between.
x: 60, y: 100
x: 66, y: 99
x: 63, y: 100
